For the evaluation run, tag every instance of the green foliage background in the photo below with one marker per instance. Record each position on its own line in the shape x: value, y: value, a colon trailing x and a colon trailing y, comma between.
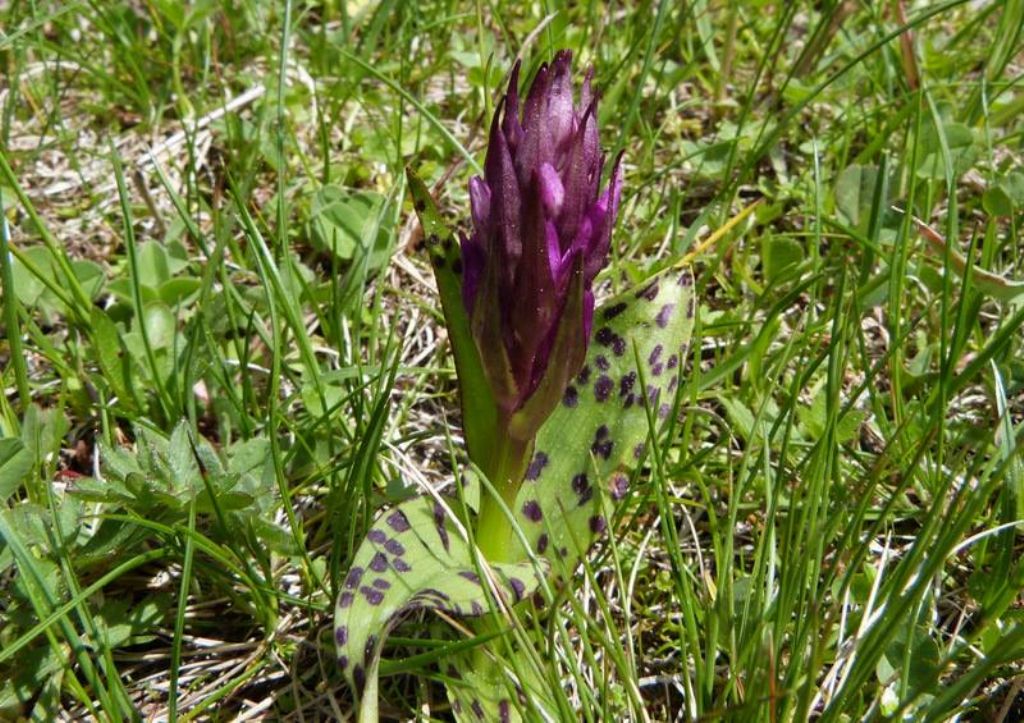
x: 222, y: 354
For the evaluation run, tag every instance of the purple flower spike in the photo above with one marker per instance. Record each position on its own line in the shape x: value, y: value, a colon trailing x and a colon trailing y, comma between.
x: 541, y: 233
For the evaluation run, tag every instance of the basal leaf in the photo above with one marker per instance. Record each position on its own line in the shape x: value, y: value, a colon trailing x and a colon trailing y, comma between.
x: 479, y: 411
x: 585, y: 451
x: 413, y: 557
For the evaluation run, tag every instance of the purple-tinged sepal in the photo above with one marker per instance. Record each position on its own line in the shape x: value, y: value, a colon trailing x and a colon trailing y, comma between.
x: 541, y: 233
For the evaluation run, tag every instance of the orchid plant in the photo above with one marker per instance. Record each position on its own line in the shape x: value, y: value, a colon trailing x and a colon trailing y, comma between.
x: 559, y: 399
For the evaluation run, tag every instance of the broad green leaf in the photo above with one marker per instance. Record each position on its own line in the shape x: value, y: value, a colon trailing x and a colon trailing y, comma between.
x: 344, y: 222
x: 161, y: 325
x: 114, y: 361
x: 153, y: 269
x: 176, y: 291
x: 597, y: 435
x: 413, y: 557
x: 779, y: 256
x: 479, y: 411
x: 857, y: 190
x: 15, y: 464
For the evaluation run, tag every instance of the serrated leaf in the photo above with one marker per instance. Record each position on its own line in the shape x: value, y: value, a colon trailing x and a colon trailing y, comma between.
x: 479, y: 411
x: 586, y: 449
x: 413, y: 557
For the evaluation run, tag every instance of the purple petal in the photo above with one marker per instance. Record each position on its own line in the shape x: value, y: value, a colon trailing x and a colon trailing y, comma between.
x: 588, y: 314
x: 602, y: 214
x: 560, y: 112
x: 473, y: 262
x: 503, y: 244
x: 552, y: 192
x: 479, y: 202
x: 510, y: 126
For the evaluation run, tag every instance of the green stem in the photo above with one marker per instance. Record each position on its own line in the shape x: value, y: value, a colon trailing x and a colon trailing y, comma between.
x: 505, y: 471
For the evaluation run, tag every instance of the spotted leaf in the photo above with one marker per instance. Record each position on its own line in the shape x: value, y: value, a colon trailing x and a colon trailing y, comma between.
x: 585, y: 452
x: 415, y: 556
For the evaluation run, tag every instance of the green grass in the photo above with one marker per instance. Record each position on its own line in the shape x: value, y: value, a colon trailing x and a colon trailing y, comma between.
x: 220, y: 361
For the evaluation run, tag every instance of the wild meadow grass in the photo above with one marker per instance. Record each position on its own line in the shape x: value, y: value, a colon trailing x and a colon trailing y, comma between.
x: 222, y: 353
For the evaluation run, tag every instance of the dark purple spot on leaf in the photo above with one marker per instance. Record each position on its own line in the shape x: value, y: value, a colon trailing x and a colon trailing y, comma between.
x: 537, y: 465
x: 379, y: 563
x: 597, y: 524
x: 664, y: 315
x: 542, y: 543
x: 342, y: 662
x: 532, y: 512
x: 657, y: 369
x: 345, y: 600
x: 626, y: 384
x: 355, y: 575
x: 673, y: 361
x: 638, y: 451
x: 439, y: 519
x: 652, y: 394
x: 618, y: 485
x: 619, y: 346
x: 664, y: 410
x: 602, y: 362
x: 476, y: 608
x: 376, y: 536
x: 381, y: 584
x: 394, y: 547
x: 685, y: 279
x: 612, y: 311
x: 397, y: 521
x: 603, y: 388
x: 604, y: 336
x: 602, y: 446
x: 672, y: 383
x: 563, y: 552
x: 584, y: 376
x: 571, y: 397
x: 370, y: 648
x: 359, y: 677
x: 341, y: 635
x: 470, y: 575
x: 585, y: 496
x: 517, y: 587
x: 478, y: 710
x: 374, y: 597
x: 580, y: 483
x: 400, y: 565
x: 504, y: 715
x: 655, y: 354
